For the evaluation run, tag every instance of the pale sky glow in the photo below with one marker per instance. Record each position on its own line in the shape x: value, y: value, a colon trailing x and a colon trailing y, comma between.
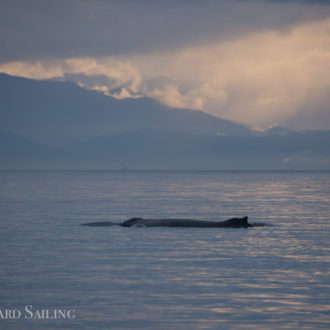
x: 260, y: 77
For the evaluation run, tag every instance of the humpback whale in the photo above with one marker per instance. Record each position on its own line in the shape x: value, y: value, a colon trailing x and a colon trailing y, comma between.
x: 172, y: 222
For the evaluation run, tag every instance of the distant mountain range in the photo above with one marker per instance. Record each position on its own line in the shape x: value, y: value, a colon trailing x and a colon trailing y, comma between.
x: 59, y: 125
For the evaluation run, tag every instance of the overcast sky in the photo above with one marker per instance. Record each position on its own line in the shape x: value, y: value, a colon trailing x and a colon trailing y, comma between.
x: 261, y: 63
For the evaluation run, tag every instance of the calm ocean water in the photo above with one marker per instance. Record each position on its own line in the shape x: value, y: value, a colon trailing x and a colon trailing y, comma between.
x: 165, y: 278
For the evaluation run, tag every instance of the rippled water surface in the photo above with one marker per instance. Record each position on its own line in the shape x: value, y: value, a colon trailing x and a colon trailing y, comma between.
x: 166, y: 278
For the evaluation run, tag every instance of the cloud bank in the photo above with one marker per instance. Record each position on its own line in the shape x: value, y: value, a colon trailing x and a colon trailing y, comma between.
x: 255, y: 62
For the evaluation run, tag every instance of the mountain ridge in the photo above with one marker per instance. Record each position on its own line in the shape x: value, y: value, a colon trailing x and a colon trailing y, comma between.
x: 62, y: 112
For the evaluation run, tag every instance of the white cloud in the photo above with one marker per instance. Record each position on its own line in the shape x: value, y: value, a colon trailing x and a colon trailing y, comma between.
x: 171, y: 96
x: 118, y: 73
x: 34, y: 69
x: 263, y: 78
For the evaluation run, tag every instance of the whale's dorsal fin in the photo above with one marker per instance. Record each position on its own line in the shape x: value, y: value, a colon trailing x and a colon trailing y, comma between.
x: 237, y: 222
x: 131, y: 222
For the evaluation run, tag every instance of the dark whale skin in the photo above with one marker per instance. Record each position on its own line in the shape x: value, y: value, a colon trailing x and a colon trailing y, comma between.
x: 231, y: 223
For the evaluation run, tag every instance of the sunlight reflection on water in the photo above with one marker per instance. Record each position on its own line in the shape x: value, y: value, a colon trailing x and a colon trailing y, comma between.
x: 191, y: 278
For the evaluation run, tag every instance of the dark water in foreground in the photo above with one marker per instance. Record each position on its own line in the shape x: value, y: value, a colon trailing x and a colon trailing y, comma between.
x: 165, y: 278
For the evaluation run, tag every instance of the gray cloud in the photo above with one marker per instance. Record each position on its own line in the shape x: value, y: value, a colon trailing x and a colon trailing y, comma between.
x: 38, y: 29
x: 259, y: 62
